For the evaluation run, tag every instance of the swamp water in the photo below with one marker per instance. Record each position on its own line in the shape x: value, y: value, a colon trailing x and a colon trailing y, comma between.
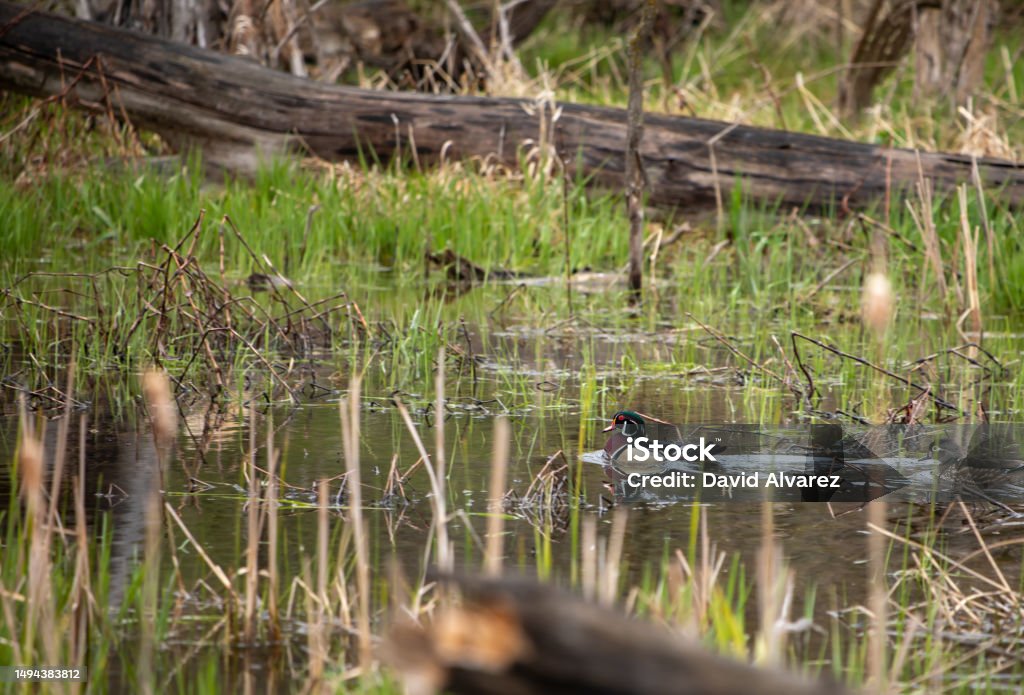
x: 558, y: 386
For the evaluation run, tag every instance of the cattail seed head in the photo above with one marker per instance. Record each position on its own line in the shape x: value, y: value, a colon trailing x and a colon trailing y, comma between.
x: 30, y: 469
x: 156, y: 388
x: 877, y: 302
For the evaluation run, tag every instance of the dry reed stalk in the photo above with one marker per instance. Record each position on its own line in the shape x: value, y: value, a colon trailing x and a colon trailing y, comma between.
x: 505, y: 48
x: 588, y: 557
x: 912, y: 630
x: 768, y: 648
x: 969, y: 240
x: 815, y: 108
x: 439, y: 458
x: 677, y: 576
x: 217, y: 570
x: 61, y: 450
x: 567, y: 231
x: 611, y: 565
x: 271, y: 511
x: 710, y: 567
x: 318, y: 636
x: 9, y: 621
x: 164, y: 422
x: 38, y: 594
x: 496, y: 514
x: 252, y: 535
x: 990, y: 239
x: 162, y: 409
x: 984, y: 549
x: 878, y: 597
x: 83, y: 600
x: 349, y: 410
x: 163, y: 414
x: 702, y: 582
x: 475, y: 44
x: 150, y: 586
x: 924, y: 219
x: 440, y: 522
x: 315, y: 638
x: 340, y: 584
x: 394, y: 486
x: 322, y: 535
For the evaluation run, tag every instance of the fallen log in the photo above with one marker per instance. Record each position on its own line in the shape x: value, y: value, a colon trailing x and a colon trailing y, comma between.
x: 239, y: 113
x: 512, y: 636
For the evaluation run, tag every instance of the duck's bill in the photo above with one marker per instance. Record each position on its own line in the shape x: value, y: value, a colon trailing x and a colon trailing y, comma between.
x: 609, y: 428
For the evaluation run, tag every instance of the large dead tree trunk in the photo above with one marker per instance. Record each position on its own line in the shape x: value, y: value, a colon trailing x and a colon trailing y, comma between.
x: 239, y: 112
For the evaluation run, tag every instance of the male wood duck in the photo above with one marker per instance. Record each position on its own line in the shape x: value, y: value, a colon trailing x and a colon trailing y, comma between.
x: 625, y: 424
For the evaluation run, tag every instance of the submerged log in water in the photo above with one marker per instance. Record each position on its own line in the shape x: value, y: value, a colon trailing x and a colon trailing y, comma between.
x: 238, y: 112
x: 514, y: 636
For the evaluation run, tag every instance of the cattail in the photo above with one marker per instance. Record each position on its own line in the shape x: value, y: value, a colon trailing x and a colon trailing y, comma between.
x: 877, y: 302
x: 30, y: 469
x: 162, y: 411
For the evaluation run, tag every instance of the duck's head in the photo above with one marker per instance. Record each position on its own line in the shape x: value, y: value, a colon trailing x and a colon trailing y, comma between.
x: 628, y: 423
x: 625, y: 425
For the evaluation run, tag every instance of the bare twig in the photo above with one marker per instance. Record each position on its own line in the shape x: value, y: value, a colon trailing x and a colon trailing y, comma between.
x: 734, y: 350
x: 941, y: 402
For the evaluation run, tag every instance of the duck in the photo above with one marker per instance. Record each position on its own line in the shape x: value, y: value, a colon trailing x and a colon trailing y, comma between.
x: 626, y: 424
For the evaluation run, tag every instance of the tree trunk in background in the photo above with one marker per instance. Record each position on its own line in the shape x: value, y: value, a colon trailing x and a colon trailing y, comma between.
x: 927, y: 52
x: 240, y: 112
x: 950, y: 40
x: 526, y: 16
x: 885, y: 38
